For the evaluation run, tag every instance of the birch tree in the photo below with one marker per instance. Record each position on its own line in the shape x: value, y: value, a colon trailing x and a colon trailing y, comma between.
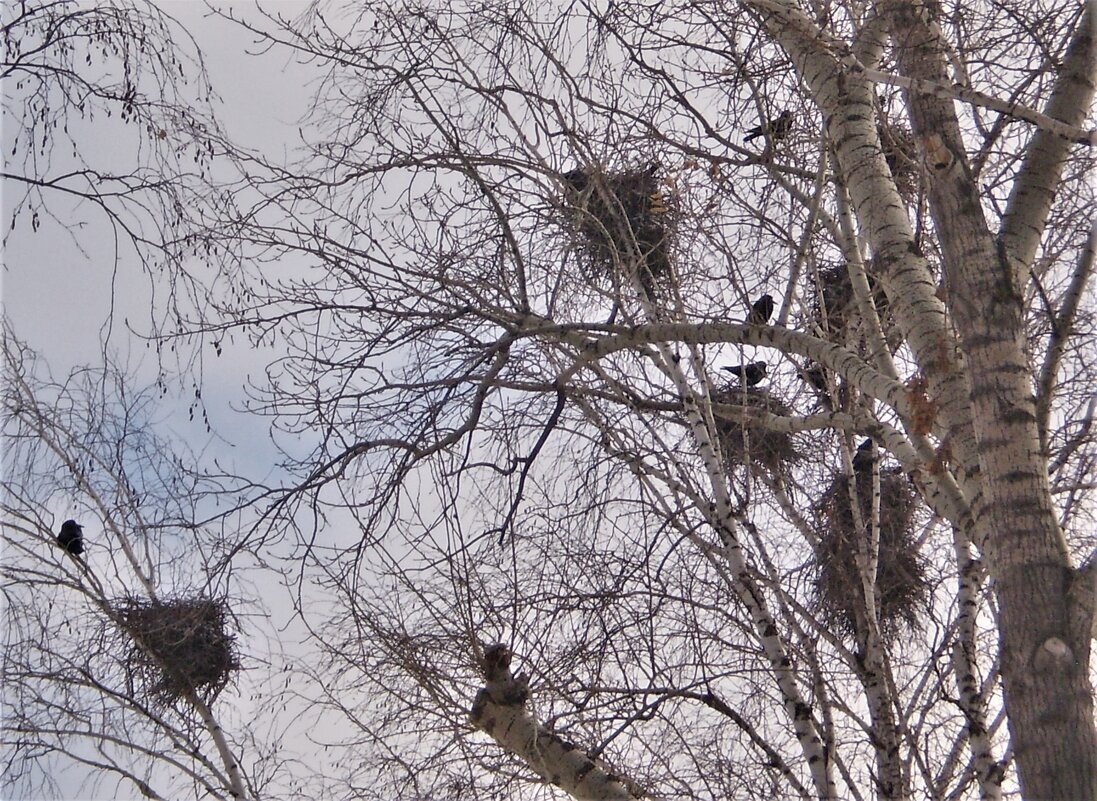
x: 119, y: 652
x: 116, y: 654
x: 109, y: 132
x: 584, y: 556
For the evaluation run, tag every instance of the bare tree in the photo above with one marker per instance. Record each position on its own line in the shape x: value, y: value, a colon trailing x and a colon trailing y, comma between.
x: 534, y: 235
x: 108, y: 127
x: 118, y: 650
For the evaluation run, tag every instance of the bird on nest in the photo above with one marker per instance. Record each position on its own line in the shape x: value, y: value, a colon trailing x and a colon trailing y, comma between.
x: 751, y: 374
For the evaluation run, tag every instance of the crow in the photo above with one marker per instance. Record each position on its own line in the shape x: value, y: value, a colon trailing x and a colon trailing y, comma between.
x: 751, y: 373
x: 577, y: 179
x: 761, y: 310
x: 71, y: 537
x: 864, y: 457
x: 777, y: 129
x: 814, y: 376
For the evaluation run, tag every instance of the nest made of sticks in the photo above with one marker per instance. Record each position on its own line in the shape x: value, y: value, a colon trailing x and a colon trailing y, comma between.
x: 834, y: 292
x: 620, y: 219
x: 177, y: 646
x: 901, y: 584
x: 901, y: 153
x: 746, y: 440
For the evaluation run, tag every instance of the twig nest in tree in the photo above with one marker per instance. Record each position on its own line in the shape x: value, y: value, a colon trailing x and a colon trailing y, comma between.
x: 901, y: 153
x: 622, y: 222
x: 834, y: 301
x: 746, y: 440
x: 177, y: 646
x: 902, y: 590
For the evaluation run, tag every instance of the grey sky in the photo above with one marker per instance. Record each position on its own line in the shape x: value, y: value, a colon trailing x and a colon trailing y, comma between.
x: 66, y: 292
x: 70, y: 293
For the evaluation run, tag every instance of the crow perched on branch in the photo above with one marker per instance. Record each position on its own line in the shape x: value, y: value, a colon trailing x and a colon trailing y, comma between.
x: 864, y: 457
x: 71, y: 537
x: 761, y: 310
x: 751, y: 373
x: 814, y: 376
x: 777, y: 129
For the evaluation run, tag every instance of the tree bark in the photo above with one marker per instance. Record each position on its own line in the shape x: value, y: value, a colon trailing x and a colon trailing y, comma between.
x: 500, y: 711
x: 988, y: 415
x: 1049, y: 700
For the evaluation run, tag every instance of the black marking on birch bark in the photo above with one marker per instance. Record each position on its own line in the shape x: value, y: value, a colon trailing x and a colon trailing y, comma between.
x: 1013, y: 369
x: 1018, y: 414
x: 1006, y: 274
x: 1019, y: 475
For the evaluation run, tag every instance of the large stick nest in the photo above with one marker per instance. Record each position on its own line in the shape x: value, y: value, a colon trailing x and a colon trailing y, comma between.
x: 746, y: 440
x: 901, y: 153
x: 834, y: 294
x: 902, y: 589
x: 178, y: 646
x: 622, y: 222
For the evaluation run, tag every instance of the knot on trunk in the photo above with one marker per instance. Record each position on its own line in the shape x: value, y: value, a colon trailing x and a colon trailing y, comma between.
x: 1053, y: 655
x: 500, y: 687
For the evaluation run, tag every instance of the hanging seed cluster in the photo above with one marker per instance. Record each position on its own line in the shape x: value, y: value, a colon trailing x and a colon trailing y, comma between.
x: 179, y: 646
x: 901, y: 586
x: 745, y: 440
x: 622, y: 223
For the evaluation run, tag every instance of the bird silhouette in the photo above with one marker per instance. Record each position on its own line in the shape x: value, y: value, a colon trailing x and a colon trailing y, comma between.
x: 71, y: 537
x: 864, y: 457
x: 813, y: 375
x: 777, y: 129
x: 578, y: 178
x: 761, y: 310
x: 751, y: 373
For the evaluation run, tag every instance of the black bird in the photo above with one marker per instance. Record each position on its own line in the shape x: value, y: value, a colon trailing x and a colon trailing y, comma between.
x: 751, y: 373
x: 864, y: 457
x: 578, y: 178
x: 71, y: 537
x: 777, y: 129
x: 814, y: 375
x: 761, y: 310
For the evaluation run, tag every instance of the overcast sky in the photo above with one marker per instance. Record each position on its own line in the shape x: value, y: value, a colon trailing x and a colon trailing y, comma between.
x: 60, y: 289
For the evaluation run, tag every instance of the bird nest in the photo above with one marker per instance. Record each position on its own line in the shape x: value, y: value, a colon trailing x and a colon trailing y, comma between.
x: 834, y: 293
x: 177, y: 647
x: 901, y: 585
x: 901, y: 153
x: 744, y: 439
x: 622, y: 223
